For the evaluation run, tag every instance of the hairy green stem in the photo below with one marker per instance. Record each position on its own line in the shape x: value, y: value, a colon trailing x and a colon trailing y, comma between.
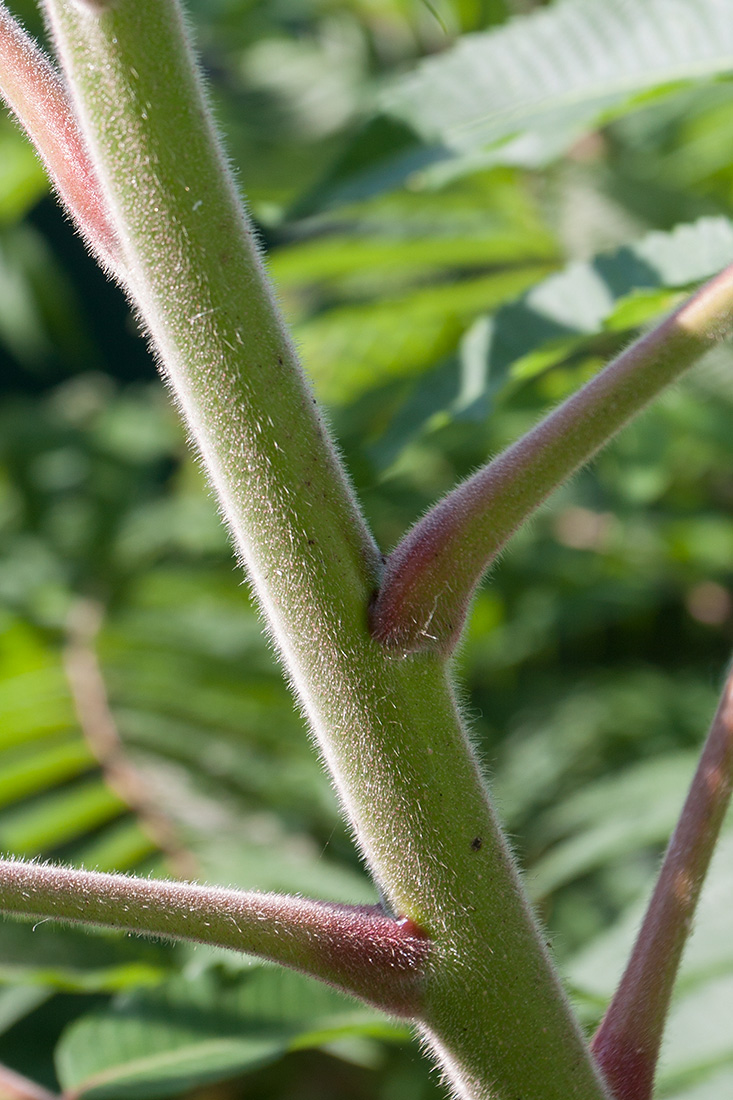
x: 388, y: 728
x: 432, y: 575
x: 628, y: 1040
x: 360, y: 950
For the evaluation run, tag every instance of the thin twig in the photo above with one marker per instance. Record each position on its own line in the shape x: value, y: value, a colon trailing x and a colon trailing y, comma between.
x: 628, y: 1040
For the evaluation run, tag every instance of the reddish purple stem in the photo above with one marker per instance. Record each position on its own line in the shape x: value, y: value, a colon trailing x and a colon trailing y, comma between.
x: 627, y: 1043
x: 39, y: 99
x: 359, y: 949
x: 13, y: 1086
x: 431, y: 576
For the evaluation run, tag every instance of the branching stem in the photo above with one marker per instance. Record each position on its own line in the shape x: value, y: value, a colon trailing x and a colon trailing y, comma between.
x: 389, y: 730
x: 432, y: 574
x: 381, y: 705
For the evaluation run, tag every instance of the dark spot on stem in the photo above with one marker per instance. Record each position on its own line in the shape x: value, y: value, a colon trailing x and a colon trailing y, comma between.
x: 476, y: 843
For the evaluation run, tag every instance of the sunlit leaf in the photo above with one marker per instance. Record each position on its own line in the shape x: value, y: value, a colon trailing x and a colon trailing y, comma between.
x: 22, y: 179
x: 17, y: 1001
x: 190, y: 1033
x: 352, y: 349
x: 582, y: 300
x: 612, y: 818
x: 523, y: 93
x: 45, y: 955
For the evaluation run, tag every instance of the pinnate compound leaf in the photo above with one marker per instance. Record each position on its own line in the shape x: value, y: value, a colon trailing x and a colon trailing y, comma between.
x: 52, y: 794
x: 190, y: 1033
x: 523, y: 93
x: 612, y: 818
x: 559, y: 316
x: 613, y: 291
x: 351, y: 349
x: 47, y: 956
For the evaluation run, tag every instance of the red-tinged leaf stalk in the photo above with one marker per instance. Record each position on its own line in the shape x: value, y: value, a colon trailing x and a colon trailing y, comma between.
x: 38, y: 98
x: 432, y: 574
x: 359, y: 949
x: 629, y: 1038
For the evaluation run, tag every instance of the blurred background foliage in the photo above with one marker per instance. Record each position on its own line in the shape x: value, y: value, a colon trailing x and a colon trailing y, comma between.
x: 458, y: 244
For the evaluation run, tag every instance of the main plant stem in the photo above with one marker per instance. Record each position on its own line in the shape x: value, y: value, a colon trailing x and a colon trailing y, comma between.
x: 388, y: 728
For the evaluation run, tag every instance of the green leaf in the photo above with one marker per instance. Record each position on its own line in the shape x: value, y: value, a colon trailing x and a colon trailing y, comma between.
x: 52, y: 793
x: 48, y: 956
x: 612, y: 818
x: 699, y: 1036
x: 559, y: 317
x: 383, y: 292
x: 559, y: 314
x: 596, y: 969
x: 189, y: 1033
x: 525, y: 92
x: 26, y: 771
x: 707, y: 1086
x: 697, y: 1054
x: 34, y: 701
x: 698, y: 1049
x: 17, y: 1001
x: 22, y: 179
x: 59, y: 817
x: 123, y: 843
x: 377, y: 159
x: 406, y: 256
x: 350, y: 350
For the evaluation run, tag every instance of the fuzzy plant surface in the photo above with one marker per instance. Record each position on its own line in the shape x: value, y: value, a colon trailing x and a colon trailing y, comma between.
x: 366, y: 641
